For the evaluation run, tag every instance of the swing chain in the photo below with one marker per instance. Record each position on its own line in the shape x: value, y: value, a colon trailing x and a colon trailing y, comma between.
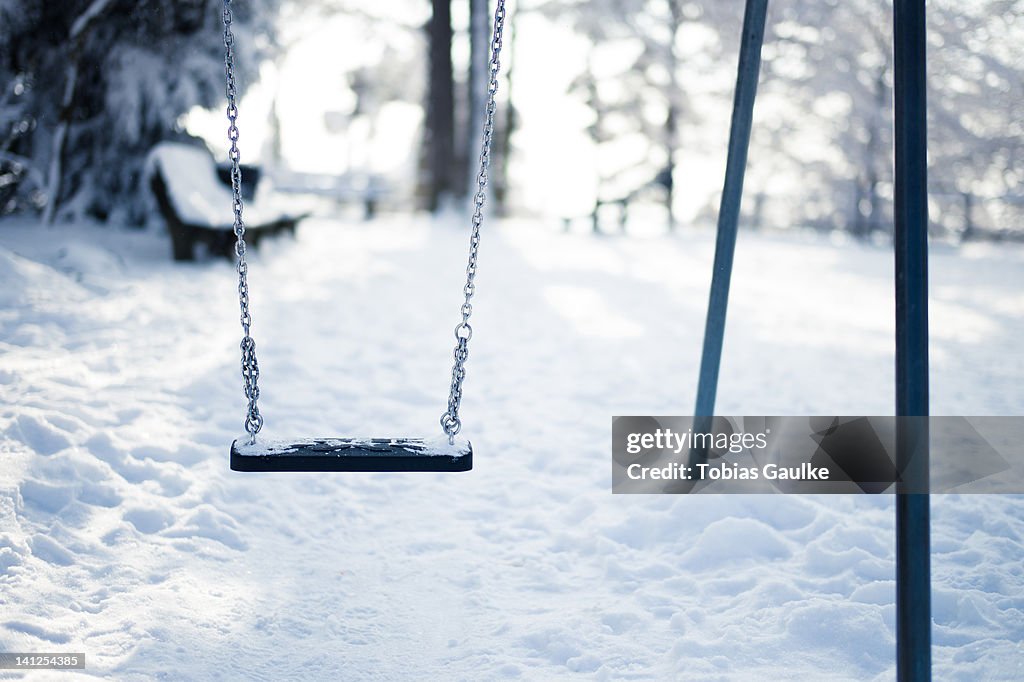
x: 250, y: 367
x: 450, y: 421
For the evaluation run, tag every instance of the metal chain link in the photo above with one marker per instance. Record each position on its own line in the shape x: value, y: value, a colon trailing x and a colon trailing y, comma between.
x: 450, y: 421
x: 250, y: 368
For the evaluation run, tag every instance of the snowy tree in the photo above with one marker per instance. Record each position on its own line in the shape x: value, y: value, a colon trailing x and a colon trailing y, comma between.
x: 385, y: 69
x: 97, y: 83
x: 633, y: 84
x: 822, y: 140
x: 827, y: 88
x: 976, y: 114
x: 828, y: 68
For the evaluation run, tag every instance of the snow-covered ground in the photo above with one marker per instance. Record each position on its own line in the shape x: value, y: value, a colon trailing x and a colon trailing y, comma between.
x: 125, y: 536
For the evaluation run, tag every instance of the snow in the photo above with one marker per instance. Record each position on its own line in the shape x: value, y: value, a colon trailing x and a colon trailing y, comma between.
x: 439, y: 446
x: 124, y: 535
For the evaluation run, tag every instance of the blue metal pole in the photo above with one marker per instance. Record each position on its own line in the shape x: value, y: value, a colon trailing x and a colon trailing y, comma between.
x: 910, y: 236
x: 729, y: 212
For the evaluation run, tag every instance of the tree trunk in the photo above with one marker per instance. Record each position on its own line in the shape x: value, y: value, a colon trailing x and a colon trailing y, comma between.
x: 55, y: 175
x: 476, y: 85
x: 874, y: 197
x: 76, y: 37
x: 509, y: 122
x: 440, y: 124
x: 672, y: 115
x: 595, y: 132
x: 968, y: 232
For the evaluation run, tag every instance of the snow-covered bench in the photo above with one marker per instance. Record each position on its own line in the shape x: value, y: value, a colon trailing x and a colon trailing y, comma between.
x: 196, y: 204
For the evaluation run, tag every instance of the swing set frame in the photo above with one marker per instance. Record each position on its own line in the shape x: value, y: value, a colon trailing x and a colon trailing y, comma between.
x: 910, y: 241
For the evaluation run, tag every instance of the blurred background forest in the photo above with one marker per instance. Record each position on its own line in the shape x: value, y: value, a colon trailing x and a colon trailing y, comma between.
x: 605, y: 106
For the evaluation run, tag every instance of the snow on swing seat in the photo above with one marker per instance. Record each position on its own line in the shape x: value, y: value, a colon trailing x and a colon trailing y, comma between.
x: 353, y: 454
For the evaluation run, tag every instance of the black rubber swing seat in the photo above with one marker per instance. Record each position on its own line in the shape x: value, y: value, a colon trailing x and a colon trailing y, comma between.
x: 353, y: 454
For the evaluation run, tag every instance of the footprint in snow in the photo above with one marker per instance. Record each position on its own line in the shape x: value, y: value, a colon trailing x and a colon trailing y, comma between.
x: 45, y: 497
x: 50, y: 551
x: 37, y: 631
x: 38, y: 434
x: 149, y: 521
x: 208, y: 522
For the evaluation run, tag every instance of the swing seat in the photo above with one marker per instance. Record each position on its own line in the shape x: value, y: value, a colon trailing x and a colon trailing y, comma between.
x: 353, y: 454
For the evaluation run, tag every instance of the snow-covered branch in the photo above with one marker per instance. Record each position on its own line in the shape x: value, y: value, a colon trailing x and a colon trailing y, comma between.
x: 86, y: 18
x: 30, y: 169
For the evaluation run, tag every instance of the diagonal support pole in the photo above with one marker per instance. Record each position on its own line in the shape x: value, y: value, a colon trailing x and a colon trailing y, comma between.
x: 729, y: 213
x: 910, y: 237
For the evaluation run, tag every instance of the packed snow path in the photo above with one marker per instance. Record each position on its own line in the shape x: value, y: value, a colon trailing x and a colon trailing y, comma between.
x: 125, y: 536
